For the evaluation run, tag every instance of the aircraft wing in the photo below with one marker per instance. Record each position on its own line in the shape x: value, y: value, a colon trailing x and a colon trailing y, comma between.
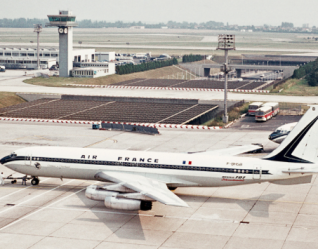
x: 232, y: 151
x: 146, y: 186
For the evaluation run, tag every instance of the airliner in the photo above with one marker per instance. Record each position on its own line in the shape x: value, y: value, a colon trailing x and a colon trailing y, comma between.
x: 140, y: 178
x: 281, y: 132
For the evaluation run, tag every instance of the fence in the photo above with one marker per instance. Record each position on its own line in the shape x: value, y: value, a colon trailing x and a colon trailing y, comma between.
x: 292, y: 108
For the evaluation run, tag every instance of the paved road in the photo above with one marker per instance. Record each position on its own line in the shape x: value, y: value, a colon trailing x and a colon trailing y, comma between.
x: 12, y: 81
x: 93, y: 45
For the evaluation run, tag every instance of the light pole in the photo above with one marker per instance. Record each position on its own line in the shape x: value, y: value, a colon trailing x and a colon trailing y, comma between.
x: 38, y: 30
x: 226, y: 43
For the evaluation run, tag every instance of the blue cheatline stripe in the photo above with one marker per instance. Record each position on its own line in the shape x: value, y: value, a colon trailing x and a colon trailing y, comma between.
x: 141, y: 165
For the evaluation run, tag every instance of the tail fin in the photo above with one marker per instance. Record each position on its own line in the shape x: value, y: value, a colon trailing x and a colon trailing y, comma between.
x: 301, y: 145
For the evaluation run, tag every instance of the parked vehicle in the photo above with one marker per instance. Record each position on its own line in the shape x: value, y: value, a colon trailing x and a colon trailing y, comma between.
x: 253, y: 107
x: 2, y: 68
x: 281, y: 132
x: 275, y: 107
x: 264, y: 113
x: 53, y: 68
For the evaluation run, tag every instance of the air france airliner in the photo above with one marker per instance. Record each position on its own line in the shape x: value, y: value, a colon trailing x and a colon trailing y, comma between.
x: 140, y: 178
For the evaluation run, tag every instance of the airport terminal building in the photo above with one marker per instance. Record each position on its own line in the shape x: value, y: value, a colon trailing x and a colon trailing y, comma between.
x: 84, y: 60
x: 16, y: 58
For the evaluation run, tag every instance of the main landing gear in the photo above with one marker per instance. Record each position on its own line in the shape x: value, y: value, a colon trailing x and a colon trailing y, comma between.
x: 35, y: 181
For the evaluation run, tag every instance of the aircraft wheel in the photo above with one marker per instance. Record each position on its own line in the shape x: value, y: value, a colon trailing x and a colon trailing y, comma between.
x: 35, y: 181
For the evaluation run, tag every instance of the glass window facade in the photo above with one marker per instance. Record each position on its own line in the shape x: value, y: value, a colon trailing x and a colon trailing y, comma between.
x: 62, y: 19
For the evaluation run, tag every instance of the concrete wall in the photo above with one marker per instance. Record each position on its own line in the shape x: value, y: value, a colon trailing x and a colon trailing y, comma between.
x: 128, y: 99
x: 33, y: 96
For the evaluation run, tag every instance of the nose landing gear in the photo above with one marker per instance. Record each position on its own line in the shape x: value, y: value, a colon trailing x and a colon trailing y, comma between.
x: 35, y: 181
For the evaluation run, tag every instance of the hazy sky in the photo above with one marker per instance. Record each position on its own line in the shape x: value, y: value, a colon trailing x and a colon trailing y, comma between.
x: 242, y: 12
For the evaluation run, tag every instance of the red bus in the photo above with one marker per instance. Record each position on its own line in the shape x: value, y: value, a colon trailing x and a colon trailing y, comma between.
x: 264, y: 113
x: 253, y: 107
x: 275, y: 107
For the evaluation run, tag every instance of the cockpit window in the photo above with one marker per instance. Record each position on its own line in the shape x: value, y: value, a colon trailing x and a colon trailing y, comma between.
x: 13, y: 154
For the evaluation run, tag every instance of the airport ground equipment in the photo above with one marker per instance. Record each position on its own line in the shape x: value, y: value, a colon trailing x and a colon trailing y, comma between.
x: 130, y: 128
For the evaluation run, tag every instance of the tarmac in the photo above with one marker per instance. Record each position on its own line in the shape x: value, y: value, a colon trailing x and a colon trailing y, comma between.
x: 56, y: 214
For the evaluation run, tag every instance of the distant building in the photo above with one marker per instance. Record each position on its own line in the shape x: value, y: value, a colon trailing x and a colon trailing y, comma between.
x: 105, y: 56
x: 93, y: 69
x: 79, y: 55
x: 26, y: 63
x: 137, y: 27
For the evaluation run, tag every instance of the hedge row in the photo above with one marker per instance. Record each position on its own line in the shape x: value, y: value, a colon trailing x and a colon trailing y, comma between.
x: 192, y: 57
x: 130, y: 68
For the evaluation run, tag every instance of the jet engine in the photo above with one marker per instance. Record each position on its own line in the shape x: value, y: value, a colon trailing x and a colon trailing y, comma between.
x: 117, y: 200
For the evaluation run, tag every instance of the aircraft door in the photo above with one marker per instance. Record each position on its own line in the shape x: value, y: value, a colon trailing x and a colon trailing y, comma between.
x: 257, y: 172
x: 28, y: 160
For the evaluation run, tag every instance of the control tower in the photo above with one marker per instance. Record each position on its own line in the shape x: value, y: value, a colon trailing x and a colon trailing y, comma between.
x: 65, y: 22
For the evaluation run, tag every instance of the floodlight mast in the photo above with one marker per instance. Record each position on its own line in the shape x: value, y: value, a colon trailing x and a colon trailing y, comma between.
x: 226, y: 43
x: 38, y: 30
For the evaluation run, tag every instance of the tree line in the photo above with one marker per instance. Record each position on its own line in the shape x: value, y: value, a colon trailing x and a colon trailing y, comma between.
x: 309, y: 71
x: 87, y: 23
x: 192, y: 57
x: 130, y: 68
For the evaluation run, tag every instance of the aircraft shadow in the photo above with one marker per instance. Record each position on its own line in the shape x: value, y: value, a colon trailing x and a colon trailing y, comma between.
x: 114, y: 220
x: 257, y: 206
x: 117, y: 220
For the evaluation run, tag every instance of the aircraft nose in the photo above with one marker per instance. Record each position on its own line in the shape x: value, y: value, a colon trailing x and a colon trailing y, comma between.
x: 5, y: 159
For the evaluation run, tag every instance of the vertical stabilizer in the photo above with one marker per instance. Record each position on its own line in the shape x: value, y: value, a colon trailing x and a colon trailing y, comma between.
x: 301, y: 145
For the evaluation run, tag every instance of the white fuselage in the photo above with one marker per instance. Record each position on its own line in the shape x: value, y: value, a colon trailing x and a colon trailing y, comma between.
x: 175, y: 169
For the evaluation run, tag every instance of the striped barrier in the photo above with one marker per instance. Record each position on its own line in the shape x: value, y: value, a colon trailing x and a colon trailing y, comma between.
x: 169, y: 126
x: 169, y: 88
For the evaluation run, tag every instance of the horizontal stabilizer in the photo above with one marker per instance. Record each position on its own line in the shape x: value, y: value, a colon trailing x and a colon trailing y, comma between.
x: 294, y: 181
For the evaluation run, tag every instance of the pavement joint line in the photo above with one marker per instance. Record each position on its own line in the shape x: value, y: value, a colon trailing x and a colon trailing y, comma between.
x: 134, y: 82
x: 2, y: 197
x: 98, y: 142
x: 245, y: 84
x: 177, y: 113
x: 29, y: 106
x: 292, y: 225
x: 86, y: 109
x: 154, y: 215
x: 33, y: 198
x: 42, y: 208
x: 132, y: 214
x: 179, y: 83
x: 247, y: 213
